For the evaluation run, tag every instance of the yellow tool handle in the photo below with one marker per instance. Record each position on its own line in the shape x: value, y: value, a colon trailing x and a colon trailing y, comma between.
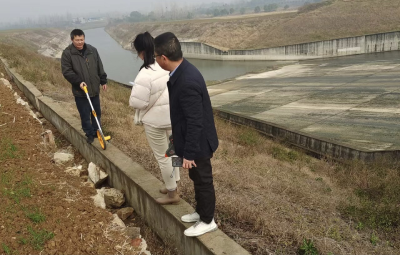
x: 85, y: 89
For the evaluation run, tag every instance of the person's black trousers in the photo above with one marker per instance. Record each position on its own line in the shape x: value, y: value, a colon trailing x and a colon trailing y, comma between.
x: 89, y: 124
x: 204, y: 189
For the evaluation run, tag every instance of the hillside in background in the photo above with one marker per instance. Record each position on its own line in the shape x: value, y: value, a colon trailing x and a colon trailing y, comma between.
x: 321, y: 21
x: 49, y: 42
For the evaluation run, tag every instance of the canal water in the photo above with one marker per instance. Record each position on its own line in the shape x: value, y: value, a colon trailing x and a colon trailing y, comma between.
x: 122, y: 65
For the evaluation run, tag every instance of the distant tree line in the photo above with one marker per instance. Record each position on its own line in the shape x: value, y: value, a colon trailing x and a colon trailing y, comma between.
x: 40, y: 22
x: 53, y: 21
x: 171, y: 11
x: 285, y: 5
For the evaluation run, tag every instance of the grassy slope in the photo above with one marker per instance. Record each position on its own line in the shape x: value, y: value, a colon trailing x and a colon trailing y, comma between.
x: 337, y: 20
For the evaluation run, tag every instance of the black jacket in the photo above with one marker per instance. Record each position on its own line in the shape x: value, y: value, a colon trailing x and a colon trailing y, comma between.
x: 77, y: 68
x: 192, y: 120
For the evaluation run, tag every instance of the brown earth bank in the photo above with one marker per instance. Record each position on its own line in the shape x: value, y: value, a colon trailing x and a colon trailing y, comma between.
x: 336, y: 19
x: 45, y: 210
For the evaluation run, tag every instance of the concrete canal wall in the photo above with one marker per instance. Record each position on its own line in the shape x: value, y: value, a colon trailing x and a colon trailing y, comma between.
x: 313, y: 50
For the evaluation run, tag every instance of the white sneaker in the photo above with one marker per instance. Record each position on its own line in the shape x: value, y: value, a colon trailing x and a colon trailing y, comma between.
x: 201, y: 228
x: 193, y: 217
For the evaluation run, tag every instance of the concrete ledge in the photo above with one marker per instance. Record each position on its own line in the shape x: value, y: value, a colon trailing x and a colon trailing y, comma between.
x: 306, y: 141
x: 251, y: 57
x: 141, y: 187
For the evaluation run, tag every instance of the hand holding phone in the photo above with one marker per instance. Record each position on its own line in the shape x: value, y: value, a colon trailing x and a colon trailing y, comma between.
x: 188, y: 164
x: 177, y: 161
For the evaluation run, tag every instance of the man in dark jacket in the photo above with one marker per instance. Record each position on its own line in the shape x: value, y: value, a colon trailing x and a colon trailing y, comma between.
x: 81, y: 66
x: 193, y: 128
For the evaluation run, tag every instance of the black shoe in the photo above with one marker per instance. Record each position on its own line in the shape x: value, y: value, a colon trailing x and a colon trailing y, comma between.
x: 90, y: 139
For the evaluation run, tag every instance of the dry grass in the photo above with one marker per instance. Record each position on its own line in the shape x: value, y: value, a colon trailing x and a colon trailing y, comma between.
x: 44, y: 72
x: 270, y: 198
x: 336, y: 20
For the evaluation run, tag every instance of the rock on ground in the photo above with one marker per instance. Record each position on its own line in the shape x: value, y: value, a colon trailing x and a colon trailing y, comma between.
x: 48, y: 138
x: 117, y: 221
x: 75, y: 171
x: 124, y: 213
x: 96, y: 175
x: 62, y: 157
x: 132, y: 232
x: 39, y: 115
x: 6, y: 83
x: 113, y: 198
x: 98, y: 199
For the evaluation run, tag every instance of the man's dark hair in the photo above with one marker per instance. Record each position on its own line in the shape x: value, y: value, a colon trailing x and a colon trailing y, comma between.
x: 145, y: 43
x: 167, y: 44
x: 76, y: 32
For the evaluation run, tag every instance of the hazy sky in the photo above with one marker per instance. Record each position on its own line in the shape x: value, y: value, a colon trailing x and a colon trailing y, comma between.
x: 14, y: 10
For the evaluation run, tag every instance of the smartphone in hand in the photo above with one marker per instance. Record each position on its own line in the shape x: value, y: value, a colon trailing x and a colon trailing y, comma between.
x: 177, y: 161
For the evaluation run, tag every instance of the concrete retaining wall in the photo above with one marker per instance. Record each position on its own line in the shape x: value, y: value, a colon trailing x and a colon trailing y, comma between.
x: 141, y: 187
x: 306, y: 141
x: 313, y: 50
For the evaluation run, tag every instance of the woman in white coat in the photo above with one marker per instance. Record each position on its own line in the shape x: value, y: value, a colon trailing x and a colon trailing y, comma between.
x: 150, y: 98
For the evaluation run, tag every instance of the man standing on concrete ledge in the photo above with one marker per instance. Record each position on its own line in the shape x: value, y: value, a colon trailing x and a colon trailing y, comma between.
x: 193, y: 128
x: 81, y: 66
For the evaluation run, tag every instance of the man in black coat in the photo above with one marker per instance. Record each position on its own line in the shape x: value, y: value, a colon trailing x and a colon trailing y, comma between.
x: 81, y: 66
x: 193, y: 128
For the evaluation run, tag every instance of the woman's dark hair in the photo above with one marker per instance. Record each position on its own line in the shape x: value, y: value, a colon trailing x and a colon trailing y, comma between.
x: 145, y: 43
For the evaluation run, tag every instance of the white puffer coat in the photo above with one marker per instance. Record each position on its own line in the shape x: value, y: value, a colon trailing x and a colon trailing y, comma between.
x: 150, y: 98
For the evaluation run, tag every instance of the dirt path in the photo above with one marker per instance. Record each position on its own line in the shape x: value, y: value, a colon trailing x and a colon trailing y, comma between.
x: 43, y: 209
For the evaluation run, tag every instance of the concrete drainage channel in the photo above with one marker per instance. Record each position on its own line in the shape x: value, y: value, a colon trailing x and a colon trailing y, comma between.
x: 125, y: 174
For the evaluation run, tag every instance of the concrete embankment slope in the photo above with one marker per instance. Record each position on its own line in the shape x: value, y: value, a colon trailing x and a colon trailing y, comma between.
x: 141, y: 188
x: 346, y: 108
x: 335, y: 28
x: 313, y: 50
x: 49, y: 42
x: 364, y: 44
